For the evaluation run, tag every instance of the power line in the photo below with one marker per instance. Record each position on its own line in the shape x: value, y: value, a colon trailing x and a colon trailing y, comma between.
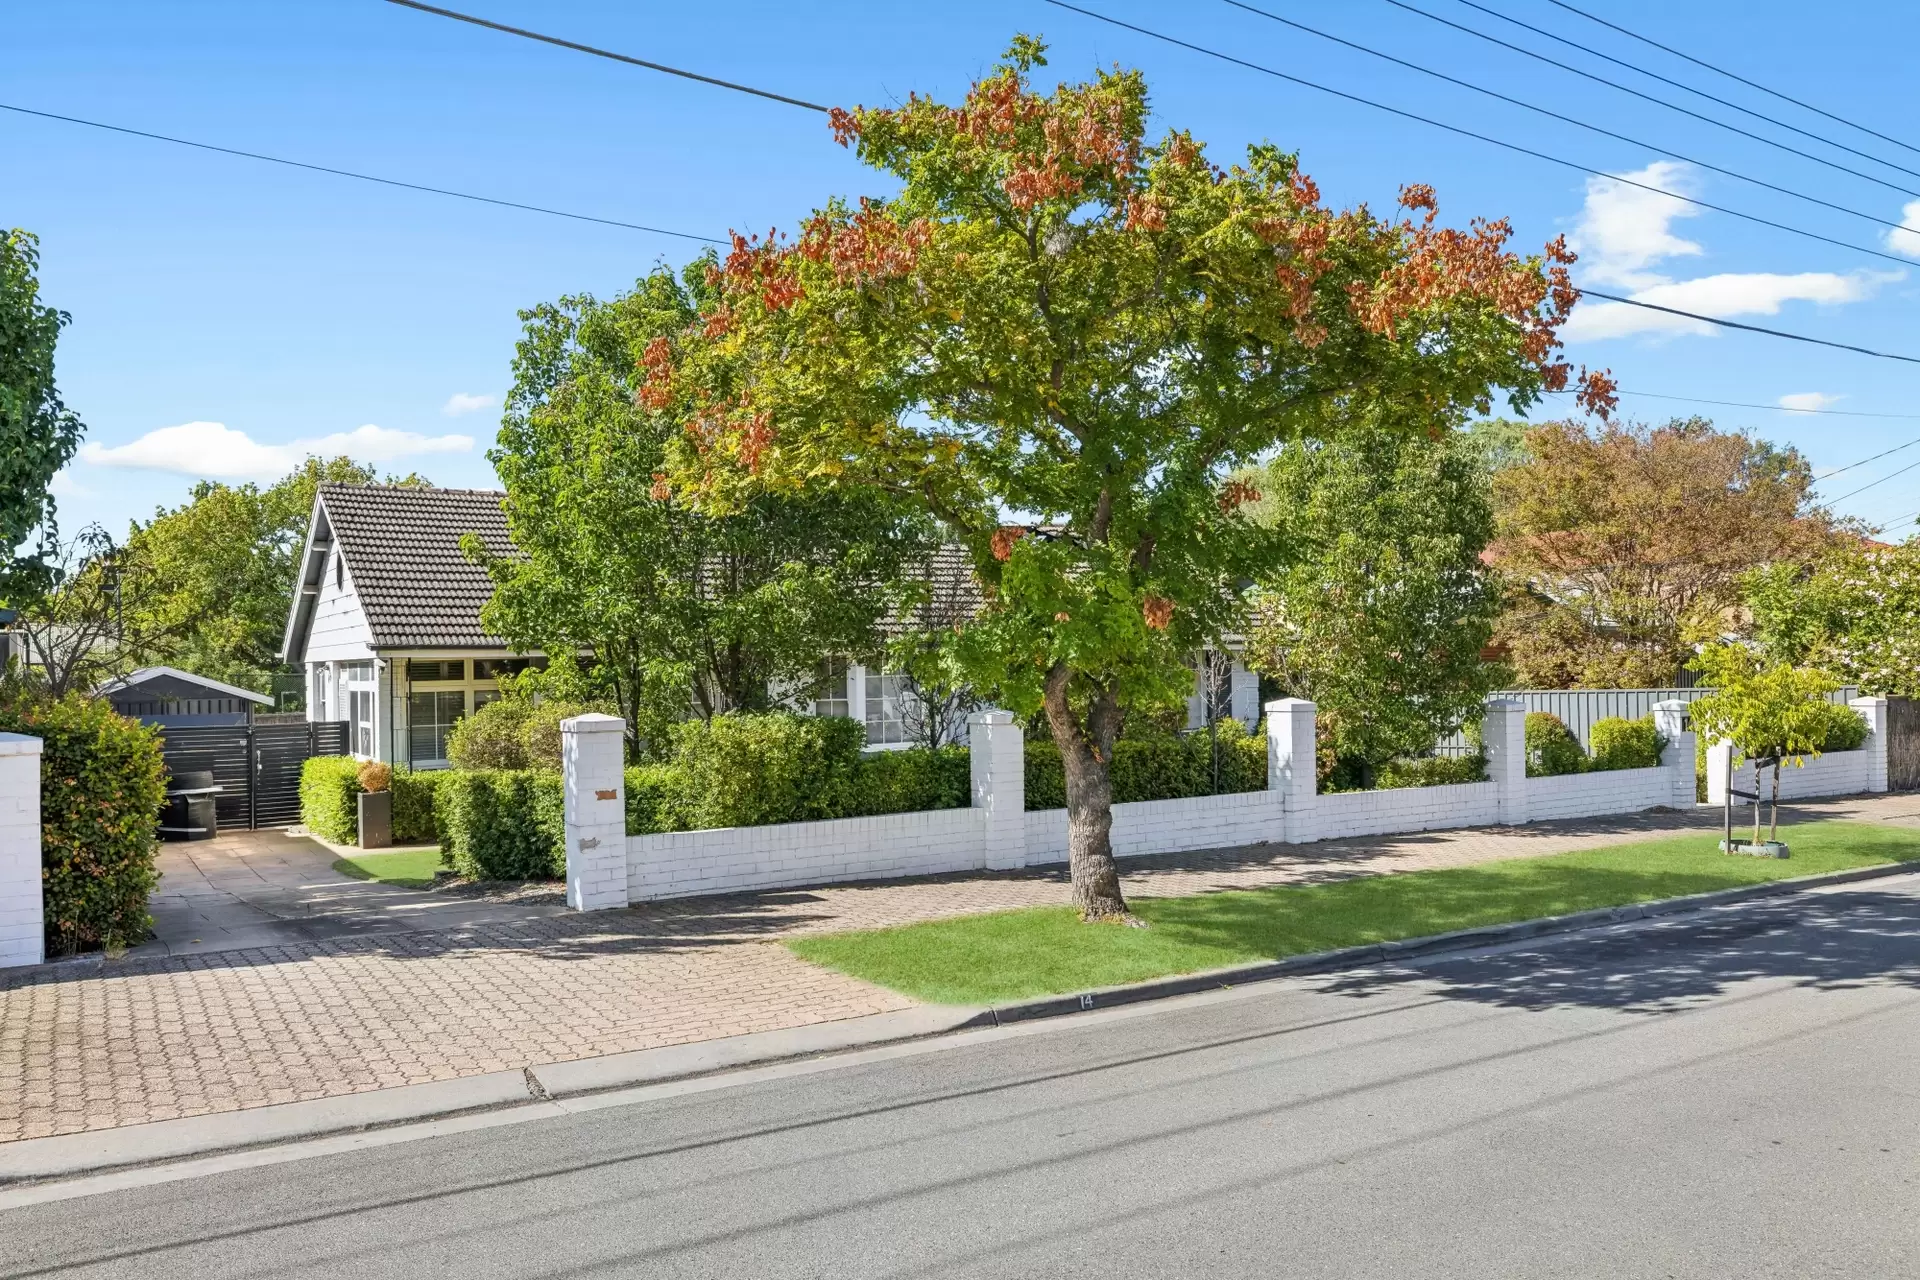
x: 1479, y: 137
x: 1566, y: 119
x: 525, y: 34
x: 1882, y: 480
x: 1864, y: 461
x: 1750, y: 328
x: 1748, y: 404
x: 1671, y: 106
x: 1682, y: 85
x: 1751, y: 84
x: 360, y: 177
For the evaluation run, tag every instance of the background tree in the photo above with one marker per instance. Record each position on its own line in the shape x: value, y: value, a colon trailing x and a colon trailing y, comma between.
x: 1385, y: 606
x: 221, y: 571
x: 687, y: 613
x: 96, y: 621
x: 1772, y: 712
x: 1620, y: 540
x: 38, y: 434
x: 1055, y: 323
x: 1854, y: 611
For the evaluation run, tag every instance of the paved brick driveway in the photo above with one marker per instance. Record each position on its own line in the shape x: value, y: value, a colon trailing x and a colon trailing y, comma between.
x: 92, y: 1046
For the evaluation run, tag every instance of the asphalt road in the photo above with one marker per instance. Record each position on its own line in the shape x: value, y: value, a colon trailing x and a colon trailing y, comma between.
x: 1735, y: 1094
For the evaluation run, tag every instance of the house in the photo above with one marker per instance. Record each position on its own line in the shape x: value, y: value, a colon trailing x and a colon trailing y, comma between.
x: 386, y: 625
x: 180, y: 700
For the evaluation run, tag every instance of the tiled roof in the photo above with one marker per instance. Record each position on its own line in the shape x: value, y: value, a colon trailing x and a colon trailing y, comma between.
x: 402, y: 546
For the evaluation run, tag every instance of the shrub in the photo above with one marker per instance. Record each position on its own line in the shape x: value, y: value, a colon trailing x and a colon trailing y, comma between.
x: 911, y: 780
x: 649, y: 799
x: 374, y: 775
x: 413, y: 797
x: 500, y: 824
x: 511, y: 733
x: 1625, y: 744
x: 1431, y: 771
x: 1552, y: 749
x: 328, y: 785
x: 102, y: 783
x: 1158, y: 768
x: 741, y: 770
x: 1846, y: 729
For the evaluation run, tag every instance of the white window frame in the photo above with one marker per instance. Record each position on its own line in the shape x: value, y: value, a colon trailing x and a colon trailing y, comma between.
x: 358, y: 681
x: 853, y: 693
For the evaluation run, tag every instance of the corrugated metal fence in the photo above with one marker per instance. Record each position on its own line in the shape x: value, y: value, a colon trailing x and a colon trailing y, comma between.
x: 1580, y: 708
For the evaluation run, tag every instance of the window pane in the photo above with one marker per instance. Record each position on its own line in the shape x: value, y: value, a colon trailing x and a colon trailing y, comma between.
x: 833, y: 699
x: 886, y: 695
x: 430, y: 717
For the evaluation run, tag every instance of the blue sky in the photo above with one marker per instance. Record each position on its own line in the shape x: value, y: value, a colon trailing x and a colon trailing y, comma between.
x: 228, y: 313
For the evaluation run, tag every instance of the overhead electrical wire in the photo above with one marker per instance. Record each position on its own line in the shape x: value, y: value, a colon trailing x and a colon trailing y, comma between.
x: 359, y: 177
x: 1748, y: 404
x: 1751, y: 328
x: 1648, y: 97
x: 1722, y: 71
x: 1479, y: 137
x: 1552, y: 114
x: 662, y: 67
x: 1681, y: 84
x: 1885, y: 453
x: 1882, y: 480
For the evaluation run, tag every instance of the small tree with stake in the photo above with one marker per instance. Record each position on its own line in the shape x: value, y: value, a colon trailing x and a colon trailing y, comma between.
x: 1062, y: 340
x: 1771, y: 713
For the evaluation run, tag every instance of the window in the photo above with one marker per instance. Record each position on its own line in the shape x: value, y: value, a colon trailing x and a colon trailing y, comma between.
x: 319, y: 703
x: 339, y: 569
x: 481, y: 697
x: 494, y: 668
x: 887, y: 694
x: 430, y: 716
x: 358, y: 677
x: 835, y: 698
x: 451, y: 669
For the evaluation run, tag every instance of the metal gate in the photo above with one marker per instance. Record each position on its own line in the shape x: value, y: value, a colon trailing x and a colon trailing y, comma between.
x: 257, y: 767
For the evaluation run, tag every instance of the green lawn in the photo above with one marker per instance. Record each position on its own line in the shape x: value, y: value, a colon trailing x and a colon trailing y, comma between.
x: 1013, y: 955
x: 409, y: 868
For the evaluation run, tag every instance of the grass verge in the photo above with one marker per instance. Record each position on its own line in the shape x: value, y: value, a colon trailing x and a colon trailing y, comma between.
x: 1014, y: 955
x: 408, y: 868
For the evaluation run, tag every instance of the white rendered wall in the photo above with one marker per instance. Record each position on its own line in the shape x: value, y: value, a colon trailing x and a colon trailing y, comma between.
x: 678, y: 864
x: 22, y: 918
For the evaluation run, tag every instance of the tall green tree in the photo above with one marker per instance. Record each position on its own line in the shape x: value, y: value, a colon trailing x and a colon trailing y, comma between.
x: 38, y: 433
x: 1854, y: 611
x: 687, y: 613
x: 1062, y: 341
x: 1383, y: 610
x: 219, y: 572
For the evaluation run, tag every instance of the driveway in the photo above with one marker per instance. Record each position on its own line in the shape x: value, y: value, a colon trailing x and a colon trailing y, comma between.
x: 249, y: 889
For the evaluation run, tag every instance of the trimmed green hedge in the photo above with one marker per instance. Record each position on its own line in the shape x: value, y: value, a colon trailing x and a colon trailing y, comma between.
x: 501, y: 824
x: 1624, y: 744
x: 1169, y: 768
x: 329, y: 786
x: 1552, y: 750
x: 1846, y: 730
x: 102, y: 783
x: 413, y: 801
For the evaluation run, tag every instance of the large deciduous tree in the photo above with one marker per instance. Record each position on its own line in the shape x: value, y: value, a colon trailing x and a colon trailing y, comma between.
x: 1854, y: 611
x: 38, y: 434
x: 687, y: 613
x: 1383, y: 610
x: 1622, y: 541
x: 1062, y: 340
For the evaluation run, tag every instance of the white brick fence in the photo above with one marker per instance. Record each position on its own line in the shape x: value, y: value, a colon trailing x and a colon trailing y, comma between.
x: 606, y: 868
x: 1837, y: 773
x: 22, y: 926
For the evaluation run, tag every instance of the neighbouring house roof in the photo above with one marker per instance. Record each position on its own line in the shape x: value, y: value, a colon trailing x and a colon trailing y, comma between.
x: 401, y: 544
x: 170, y: 682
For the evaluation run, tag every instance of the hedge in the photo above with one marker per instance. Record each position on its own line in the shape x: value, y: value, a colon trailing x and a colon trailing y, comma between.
x: 328, y: 807
x: 1624, y: 744
x: 1552, y: 750
x: 1169, y: 768
x: 755, y: 770
x: 102, y: 782
x: 413, y: 801
x: 502, y: 824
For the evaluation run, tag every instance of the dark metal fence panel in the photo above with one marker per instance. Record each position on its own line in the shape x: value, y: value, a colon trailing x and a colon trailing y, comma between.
x: 1579, y: 709
x: 1903, y: 744
x: 257, y: 767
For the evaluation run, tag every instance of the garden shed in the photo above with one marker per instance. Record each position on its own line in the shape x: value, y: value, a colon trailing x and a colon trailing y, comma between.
x: 181, y: 700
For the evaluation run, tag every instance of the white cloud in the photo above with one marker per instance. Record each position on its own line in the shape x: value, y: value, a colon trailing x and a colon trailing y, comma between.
x: 62, y: 486
x: 1905, y: 238
x: 1808, y: 401
x: 1624, y: 230
x: 217, y: 451
x: 1734, y: 294
x: 465, y: 402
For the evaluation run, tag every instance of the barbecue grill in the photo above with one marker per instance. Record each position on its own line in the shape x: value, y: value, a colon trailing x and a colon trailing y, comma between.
x: 188, y: 814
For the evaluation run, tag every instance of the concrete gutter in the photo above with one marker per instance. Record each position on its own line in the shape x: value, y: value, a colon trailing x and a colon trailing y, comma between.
x: 540, y: 1086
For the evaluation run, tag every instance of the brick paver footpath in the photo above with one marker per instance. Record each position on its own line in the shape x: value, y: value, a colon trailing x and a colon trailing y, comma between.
x: 96, y: 1045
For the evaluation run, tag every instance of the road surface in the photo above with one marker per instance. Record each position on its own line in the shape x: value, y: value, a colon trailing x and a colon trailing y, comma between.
x: 1733, y: 1094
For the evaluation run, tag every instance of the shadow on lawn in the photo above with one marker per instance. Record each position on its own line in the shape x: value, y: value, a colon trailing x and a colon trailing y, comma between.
x: 1835, y: 941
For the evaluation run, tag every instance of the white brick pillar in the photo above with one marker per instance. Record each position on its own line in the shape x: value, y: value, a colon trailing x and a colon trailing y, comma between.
x: 1874, y: 712
x: 1290, y: 765
x: 22, y: 913
x: 593, y: 764
x: 1503, y: 733
x: 1678, y: 756
x: 998, y: 753
x: 1719, y: 754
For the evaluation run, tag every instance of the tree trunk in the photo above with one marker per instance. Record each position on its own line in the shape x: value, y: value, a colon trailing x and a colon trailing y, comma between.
x: 1086, y: 751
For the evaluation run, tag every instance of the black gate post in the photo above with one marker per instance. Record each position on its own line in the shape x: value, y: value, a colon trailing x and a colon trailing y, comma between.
x: 253, y: 782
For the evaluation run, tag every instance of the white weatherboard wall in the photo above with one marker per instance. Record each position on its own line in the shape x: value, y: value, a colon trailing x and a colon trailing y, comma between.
x: 22, y: 918
x: 606, y: 868
x: 1836, y: 773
